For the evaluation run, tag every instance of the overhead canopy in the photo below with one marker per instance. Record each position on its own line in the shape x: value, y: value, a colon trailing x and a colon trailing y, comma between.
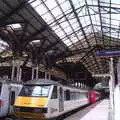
x: 70, y: 30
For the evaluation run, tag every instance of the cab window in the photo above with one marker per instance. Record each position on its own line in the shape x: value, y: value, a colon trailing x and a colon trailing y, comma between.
x: 35, y: 91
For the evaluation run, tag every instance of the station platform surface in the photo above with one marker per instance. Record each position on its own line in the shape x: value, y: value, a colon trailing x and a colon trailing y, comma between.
x: 100, y: 112
x: 97, y: 111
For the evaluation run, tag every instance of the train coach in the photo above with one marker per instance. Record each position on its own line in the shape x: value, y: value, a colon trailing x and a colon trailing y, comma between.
x: 94, y: 96
x: 8, y: 93
x: 47, y: 99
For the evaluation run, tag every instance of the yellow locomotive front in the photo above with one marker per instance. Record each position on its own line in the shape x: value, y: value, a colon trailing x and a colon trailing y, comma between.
x: 32, y: 101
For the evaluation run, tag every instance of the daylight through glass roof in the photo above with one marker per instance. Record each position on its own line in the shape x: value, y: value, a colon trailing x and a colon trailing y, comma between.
x: 75, y: 20
x: 73, y: 29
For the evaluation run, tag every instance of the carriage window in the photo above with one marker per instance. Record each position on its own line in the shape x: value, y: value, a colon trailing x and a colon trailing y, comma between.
x: 72, y: 96
x: 67, y: 95
x: 54, y: 93
x: 12, y: 97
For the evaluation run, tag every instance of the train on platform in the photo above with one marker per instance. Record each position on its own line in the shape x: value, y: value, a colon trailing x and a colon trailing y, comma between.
x: 94, y: 96
x: 47, y: 99
x: 8, y: 93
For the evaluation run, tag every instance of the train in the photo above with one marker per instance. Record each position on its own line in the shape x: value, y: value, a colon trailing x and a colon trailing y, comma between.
x: 47, y: 99
x: 94, y: 96
x: 8, y: 93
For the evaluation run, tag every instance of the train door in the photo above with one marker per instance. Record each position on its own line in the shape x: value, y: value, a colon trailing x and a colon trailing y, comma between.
x: 12, y: 100
x: 61, y: 100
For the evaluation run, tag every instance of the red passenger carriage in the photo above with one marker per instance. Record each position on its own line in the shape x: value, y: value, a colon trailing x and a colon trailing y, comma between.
x: 93, y: 96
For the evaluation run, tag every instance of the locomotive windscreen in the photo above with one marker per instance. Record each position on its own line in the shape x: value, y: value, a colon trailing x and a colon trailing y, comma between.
x: 35, y: 91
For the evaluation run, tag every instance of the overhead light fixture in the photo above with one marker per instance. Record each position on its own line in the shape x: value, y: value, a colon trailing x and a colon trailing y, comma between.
x: 35, y: 42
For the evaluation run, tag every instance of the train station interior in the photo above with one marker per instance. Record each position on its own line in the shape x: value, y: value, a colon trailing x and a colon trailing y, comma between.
x: 72, y: 43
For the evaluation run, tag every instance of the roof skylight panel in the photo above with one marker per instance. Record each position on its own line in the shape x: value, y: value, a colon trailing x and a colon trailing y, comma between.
x: 115, y: 26
x: 65, y: 6
x: 76, y: 26
x: 116, y: 17
x: 85, y: 44
x: 48, y: 18
x: 91, y: 11
x: 55, y: 27
x: 97, y: 28
x: 58, y: 29
x: 78, y: 3
x: 74, y: 40
x: 97, y: 22
x: 87, y: 20
x: 66, y: 27
x: 92, y: 2
x: 106, y: 19
x: 61, y: 34
x: 67, y: 42
x: 95, y: 19
x: 35, y: 3
x: 114, y: 34
x: 105, y: 3
x: 72, y: 21
x: 115, y: 3
x: 68, y: 30
x: 79, y: 33
x: 56, y: 12
x: 41, y: 9
x: 64, y: 24
x: 51, y: 4
x: 88, y: 30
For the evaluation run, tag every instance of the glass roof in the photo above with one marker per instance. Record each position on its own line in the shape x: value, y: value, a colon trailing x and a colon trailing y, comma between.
x: 83, y: 25
x: 74, y: 20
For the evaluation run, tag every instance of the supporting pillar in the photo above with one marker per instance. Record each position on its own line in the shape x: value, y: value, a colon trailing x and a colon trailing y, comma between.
x: 49, y: 76
x: 111, y: 86
x: 18, y: 75
x: 37, y: 70
x: 45, y: 75
x: 33, y: 72
x: 13, y: 71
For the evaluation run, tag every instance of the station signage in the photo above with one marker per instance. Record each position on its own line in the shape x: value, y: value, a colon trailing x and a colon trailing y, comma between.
x: 107, y: 53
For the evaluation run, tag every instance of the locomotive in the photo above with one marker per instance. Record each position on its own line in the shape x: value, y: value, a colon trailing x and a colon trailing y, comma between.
x: 47, y: 99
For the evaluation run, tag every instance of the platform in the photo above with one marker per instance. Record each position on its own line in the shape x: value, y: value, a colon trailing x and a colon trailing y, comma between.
x: 97, y: 111
x: 100, y: 112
